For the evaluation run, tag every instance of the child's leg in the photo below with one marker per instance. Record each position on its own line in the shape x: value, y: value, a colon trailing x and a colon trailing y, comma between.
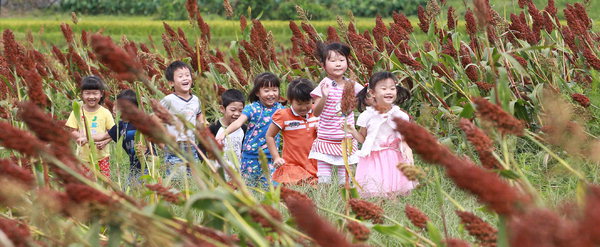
x: 324, y: 172
x: 341, y: 174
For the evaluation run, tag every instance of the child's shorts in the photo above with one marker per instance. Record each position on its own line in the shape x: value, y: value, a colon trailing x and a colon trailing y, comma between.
x: 175, y: 164
x: 104, y: 165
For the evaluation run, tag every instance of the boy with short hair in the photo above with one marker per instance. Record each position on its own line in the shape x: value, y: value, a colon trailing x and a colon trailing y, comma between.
x: 299, y: 130
x: 232, y: 104
x: 126, y: 130
x: 181, y: 102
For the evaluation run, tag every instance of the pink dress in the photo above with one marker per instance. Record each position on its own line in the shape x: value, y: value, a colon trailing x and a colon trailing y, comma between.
x: 383, y: 149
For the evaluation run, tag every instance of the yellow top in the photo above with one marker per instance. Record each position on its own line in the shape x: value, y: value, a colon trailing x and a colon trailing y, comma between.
x: 98, y: 121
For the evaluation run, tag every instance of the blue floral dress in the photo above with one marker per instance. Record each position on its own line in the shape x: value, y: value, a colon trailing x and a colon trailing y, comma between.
x: 259, y: 119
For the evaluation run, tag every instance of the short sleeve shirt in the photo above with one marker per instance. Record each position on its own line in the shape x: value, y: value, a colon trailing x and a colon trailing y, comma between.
x: 380, y: 127
x: 259, y: 119
x: 299, y: 133
x: 234, y: 140
x: 331, y: 119
x: 98, y: 122
x: 189, y: 108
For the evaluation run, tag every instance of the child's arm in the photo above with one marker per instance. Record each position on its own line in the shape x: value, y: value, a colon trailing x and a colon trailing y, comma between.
x: 79, y: 137
x: 320, y: 101
x: 101, y: 137
x: 101, y: 144
x: 271, y: 133
x: 200, y: 119
x: 232, y: 127
x: 359, y: 135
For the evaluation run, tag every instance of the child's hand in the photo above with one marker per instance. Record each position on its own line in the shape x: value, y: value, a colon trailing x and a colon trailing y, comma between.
x: 101, y: 144
x: 349, y: 127
x: 82, y: 141
x: 220, y: 137
x: 325, y: 89
x: 278, y: 162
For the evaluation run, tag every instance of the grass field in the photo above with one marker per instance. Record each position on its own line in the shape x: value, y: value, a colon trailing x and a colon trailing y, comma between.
x: 46, y: 27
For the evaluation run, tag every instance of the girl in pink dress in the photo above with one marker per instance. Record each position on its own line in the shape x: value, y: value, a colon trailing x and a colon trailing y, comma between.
x: 383, y: 148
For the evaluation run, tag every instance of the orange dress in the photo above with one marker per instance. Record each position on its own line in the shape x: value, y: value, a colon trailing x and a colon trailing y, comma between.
x: 299, y: 133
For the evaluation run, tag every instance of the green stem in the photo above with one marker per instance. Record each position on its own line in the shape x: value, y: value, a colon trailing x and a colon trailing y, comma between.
x: 531, y: 136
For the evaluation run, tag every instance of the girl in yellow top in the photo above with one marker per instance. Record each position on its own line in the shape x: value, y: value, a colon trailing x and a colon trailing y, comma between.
x: 98, y: 119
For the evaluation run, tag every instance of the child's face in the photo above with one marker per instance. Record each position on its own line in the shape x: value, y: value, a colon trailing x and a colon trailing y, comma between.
x: 301, y: 107
x: 385, y: 91
x: 119, y: 108
x: 336, y: 65
x: 232, y: 112
x: 182, y: 80
x: 268, y: 95
x: 91, y: 98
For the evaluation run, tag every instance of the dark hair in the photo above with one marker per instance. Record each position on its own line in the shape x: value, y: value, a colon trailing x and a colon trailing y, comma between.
x: 265, y: 79
x: 299, y: 90
x: 402, y: 94
x: 324, y: 49
x: 170, y: 70
x: 128, y: 95
x: 93, y: 82
x: 230, y: 96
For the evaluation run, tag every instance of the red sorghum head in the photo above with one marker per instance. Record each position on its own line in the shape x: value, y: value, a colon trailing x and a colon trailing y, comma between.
x: 307, y: 219
x: 484, y: 233
x: 503, y: 121
x: 359, y: 231
x: 581, y: 99
x: 366, y: 210
x: 81, y: 193
x: 482, y: 144
x: 10, y: 170
x: 16, y: 231
x: 258, y: 218
x: 166, y: 193
x: 416, y: 217
x: 423, y: 19
x: 453, y: 242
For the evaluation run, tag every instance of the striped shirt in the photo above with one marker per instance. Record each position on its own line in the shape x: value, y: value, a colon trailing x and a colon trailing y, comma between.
x: 331, y: 119
x: 330, y: 132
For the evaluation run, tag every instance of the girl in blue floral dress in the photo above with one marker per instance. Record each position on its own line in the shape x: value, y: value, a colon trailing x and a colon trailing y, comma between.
x: 264, y: 99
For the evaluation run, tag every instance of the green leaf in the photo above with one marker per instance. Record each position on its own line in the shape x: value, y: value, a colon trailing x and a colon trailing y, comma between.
x: 93, y: 234
x: 509, y: 174
x: 502, y: 233
x: 467, y: 111
x: 162, y: 209
x: 77, y: 111
x: 208, y: 200
x: 514, y: 63
x: 397, y: 232
x: 434, y: 234
x: 503, y: 91
x: 115, y: 235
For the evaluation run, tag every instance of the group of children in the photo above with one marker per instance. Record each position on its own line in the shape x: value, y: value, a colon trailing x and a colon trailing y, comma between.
x: 313, y: 127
